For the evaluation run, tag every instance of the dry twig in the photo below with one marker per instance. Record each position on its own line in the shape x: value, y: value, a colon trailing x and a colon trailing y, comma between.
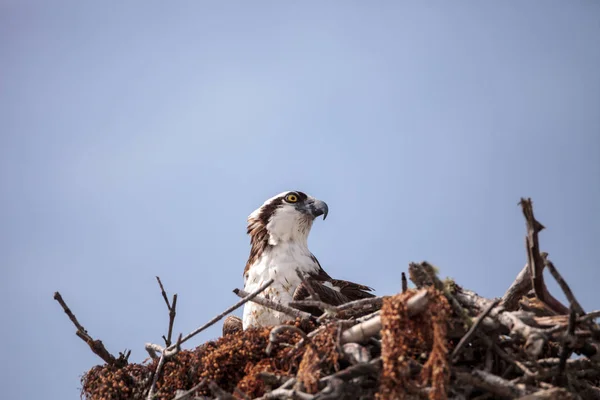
x: 234, y: 307
x: 292, y: 312
x: 576, y: 307
x: 95, y: 345
x: 535, y: 259
x: 472, y: 330
x: 172, y: 306
x: 365, y: 330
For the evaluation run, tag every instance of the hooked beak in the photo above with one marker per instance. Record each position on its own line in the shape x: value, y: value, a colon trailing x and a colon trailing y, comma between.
x: 317, y: 208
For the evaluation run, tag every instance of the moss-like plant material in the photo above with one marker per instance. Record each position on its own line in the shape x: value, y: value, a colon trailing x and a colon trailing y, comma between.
x: 405, y: 339
x: 233, y: 360
x: 436, y: 370
x: 320, y: 359
x: 110, y: 382
x: 252, y: 384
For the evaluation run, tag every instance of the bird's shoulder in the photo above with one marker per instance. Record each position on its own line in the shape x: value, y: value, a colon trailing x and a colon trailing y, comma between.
x: 349, y: 291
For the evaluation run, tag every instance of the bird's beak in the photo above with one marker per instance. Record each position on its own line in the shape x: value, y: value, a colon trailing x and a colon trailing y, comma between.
x: 318, y: 207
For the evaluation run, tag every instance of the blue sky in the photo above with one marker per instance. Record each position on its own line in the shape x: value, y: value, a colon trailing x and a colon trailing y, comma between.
x: 136, y: 138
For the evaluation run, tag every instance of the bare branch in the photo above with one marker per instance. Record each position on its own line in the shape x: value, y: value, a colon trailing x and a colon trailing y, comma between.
x: 95, y: 345
x: 227, y: 311
x: 566, y: 351
x: 363, y: 331
x: 172, y: 311
x: 280, y: 328
x: 473, y: 328
x: 314, y: 303
x: 576, y: 307
x: 282, y: 393
x: 187, y: 394
x: 157, y: 372
x: 370, y: 302
x: 535, y: 259
x: 220, y: 393
x: 152, y: 349
x: 275, y: 306
x: 492, y: 383
x: 519, y: 288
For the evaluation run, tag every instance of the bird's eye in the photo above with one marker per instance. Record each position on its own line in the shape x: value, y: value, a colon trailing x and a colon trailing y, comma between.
x: 291, y: 198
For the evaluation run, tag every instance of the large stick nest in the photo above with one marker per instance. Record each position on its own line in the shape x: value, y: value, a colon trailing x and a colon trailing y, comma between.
x: 436, y: 341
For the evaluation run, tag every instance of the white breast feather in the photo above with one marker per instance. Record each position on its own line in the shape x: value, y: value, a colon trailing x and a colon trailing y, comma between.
x: 280, y: 264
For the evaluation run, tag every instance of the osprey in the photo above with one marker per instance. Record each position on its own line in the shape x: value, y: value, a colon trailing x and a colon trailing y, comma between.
x: 279, y: 232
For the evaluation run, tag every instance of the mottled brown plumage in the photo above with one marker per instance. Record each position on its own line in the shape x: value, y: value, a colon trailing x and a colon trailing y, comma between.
x: 347, y: 291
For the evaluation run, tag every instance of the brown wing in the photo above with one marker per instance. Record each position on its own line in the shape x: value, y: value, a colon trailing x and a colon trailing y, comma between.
x: 348, y: 291
x: 353, y: 291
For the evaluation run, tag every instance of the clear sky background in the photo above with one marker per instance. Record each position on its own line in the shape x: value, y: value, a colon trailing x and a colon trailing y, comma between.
x: 135, y: 139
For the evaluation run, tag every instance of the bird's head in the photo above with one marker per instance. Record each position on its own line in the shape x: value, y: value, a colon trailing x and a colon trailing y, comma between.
x: 287, y: 216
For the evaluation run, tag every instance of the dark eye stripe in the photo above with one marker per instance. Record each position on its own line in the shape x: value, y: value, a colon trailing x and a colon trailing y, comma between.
x: 301, y: 196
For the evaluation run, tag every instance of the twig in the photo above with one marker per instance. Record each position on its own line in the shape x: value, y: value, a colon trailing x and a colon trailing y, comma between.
x: 492, y: 383
x: 504, y: 355
x: 95, y: 345
x: 282, y: 393
x: 566, y: 351
x: 549, y: 394
x: 535, y: 262
x: 275, y: 306
x: 334, y: 390
x: 220, y: 393
x: 273, y: 380
x: 166, y: 353
x: 355, y: 353
x: 511, y: 321
x: 370, y: 368
x: 589, y: 316
x: 577, y: 363
x: 152, y: 349
x: 535, y: 259
x: 278, y: 329
x: 361, y: 303
x: 430, y: 271
x: 364, y: 330
x: 519, y: 288
x: 314, y: 303
x: 157, y: 372
x: 174, y: 348
x: 404, y: 283
x: 565, y: 288
x: 227, y: 311
x: 185, y: 395
x: 172, y: 311
x: 472, y: 329
x: 241, y: 394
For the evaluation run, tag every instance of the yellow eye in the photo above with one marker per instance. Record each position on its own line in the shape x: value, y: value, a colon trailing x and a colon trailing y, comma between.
x: 291, y: 198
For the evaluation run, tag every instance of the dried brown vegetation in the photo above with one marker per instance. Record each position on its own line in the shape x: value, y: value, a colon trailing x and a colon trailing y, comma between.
x: 435, y: 341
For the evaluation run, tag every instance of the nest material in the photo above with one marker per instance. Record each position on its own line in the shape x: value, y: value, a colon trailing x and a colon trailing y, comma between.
x: 405, y: 339
x: 437, y: 341
x: 411, y: 357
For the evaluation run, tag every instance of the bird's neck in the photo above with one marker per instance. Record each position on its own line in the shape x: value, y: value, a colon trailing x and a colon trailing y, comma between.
x: 289, y: 231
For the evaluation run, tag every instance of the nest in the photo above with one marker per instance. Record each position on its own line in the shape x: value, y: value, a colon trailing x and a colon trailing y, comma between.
x: 437, y: 340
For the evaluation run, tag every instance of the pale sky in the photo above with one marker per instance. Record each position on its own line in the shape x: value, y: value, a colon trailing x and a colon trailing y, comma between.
x: 137, y: 137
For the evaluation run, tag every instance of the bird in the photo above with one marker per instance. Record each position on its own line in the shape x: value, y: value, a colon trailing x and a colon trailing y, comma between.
x: 279, y: 231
